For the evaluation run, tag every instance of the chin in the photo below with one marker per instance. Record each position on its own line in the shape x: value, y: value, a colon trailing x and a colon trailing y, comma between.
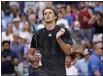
x: 48, y: 21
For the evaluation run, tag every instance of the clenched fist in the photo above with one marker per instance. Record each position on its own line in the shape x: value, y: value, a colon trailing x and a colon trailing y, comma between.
x: 60, y: 33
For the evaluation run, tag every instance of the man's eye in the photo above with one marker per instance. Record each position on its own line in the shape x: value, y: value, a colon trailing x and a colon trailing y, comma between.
x: 50, y: 12
x: 45, y: 13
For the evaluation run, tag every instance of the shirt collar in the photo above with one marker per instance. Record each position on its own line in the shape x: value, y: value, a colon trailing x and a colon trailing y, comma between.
x: 14, y: 44
x: 97, y: 56
x: 84, y: 60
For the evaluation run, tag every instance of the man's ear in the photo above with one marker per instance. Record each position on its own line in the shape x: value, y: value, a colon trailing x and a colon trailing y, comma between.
x: 56, y: 17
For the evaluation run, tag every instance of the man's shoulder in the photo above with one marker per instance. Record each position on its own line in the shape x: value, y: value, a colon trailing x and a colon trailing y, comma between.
x: 40, y: 31
x: 81, y: 60
x: 12, y: 52
x: 93, y: 58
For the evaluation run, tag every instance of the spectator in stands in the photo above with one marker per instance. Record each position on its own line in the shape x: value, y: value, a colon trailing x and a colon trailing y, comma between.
x: 15, y: 9
x: 74, y: 12
x: 17, y: 47
x: 16, y: 25
x: 3, y: 25
x: 23, y: 40
x: 40, y: 6
x: 27, y: 31
x: 83, y: 63
x: 8, y: 35
x: 23, y: 18
x: 4, y: 5
x: 70, y: 69
x: 8, y: 60
x: 49, y: 4
x: 33, y: 22
x: 98, y: 26
x: 85, y: 17
x: 29, y: 11
x: 34, y: 69
x: 7, y: 15
x: 30, y: 4
x: 67, y: 14
x: 76, y: 55
x: 95, y: 65
x: 61, y: 21
x: 98, y: 7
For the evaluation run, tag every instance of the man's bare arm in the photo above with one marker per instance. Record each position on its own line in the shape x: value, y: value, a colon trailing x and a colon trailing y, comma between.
x: 91, y: 21
x: 31, y: 53
x: 65, y: 47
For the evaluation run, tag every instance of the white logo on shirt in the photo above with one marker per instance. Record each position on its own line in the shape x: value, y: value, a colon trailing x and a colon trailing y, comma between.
x: 50, y: 34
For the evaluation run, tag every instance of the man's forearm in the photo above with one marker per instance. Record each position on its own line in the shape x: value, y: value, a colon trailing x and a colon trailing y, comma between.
x: 31, y: 55
x: 65, y: 47
x: 31, y: 58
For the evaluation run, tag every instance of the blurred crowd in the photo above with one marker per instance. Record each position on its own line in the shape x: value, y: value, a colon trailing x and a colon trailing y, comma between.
x: 20, y: 20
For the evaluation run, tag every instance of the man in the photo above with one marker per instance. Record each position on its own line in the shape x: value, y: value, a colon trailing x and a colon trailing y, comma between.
x: 34, y: 70
x: 17, y: 47
x: 53, y: 42
x: 85, y: 18
x: 8, y: 60
x: 16, y: 25
x: 95, y: 65
x: 83, y: 63
x: 70, y: 69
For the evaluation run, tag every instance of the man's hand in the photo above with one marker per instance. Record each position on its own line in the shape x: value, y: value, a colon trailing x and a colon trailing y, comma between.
x: 60, y: 33
x: 37, y: 57
x: 85, y: 19
x: 8, y: 58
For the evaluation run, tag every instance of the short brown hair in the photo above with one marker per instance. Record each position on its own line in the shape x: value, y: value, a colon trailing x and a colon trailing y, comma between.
x: 95, y: 43
x: 51, y: 9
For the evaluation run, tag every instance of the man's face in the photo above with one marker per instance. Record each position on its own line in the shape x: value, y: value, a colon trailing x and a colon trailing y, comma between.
x: 49, y: 16
x: 16, y: 39
x: 100, y: 49
x: 87, y: 56
x: 16, y: 24
x: 36, y: 65
x: 9, y: 27
x: 6, y: 46
x: 98, y: 17
x: 82, y: 5
x: 60, y: 15
x: 68, y: 60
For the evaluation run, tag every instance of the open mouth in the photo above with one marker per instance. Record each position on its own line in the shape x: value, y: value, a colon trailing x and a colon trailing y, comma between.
x: 48, y: 18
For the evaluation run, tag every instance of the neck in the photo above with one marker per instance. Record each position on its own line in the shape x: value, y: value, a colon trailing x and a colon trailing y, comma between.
x: 83, y: 9
x: 17, y: 26
x: 68, y: 65
x: 97, y: 53
x: 9, y: 32
x: 86, y: 59
x: 26, y: 30
x: 68, y: 13
x: 50, y: 25
x: 15, y: 43
x: 36, y: 70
